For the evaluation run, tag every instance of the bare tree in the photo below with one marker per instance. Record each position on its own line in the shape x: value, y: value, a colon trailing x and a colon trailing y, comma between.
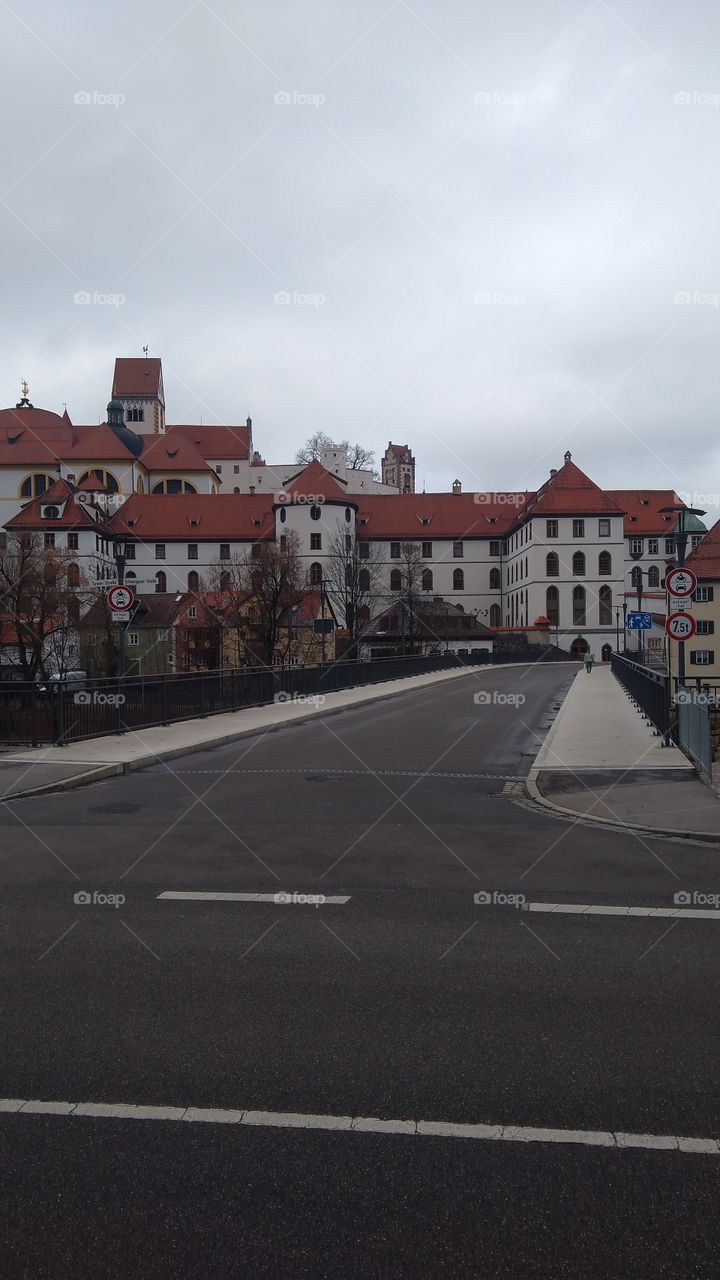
x: 358, y: 457
x: 229, y: 581
x: 270, y: 581
x: 353, y: 580
x: 39, y: 604
x: 411, y: 567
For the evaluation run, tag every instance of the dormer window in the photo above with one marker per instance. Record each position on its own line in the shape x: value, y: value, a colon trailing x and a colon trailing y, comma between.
x: 50, y: 513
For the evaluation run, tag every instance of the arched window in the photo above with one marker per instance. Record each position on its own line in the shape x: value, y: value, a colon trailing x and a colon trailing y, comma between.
x: 495, y: 615
x: 348, y: 514
x: 604, y: 564
x: 193, y: 580
x: 552, y: 606
x: 552, y: 564
x: 395, y: 580
x: 653, y: 576
x: 35, y: 485
x: 605, y: 598
x: 73, y: 575
x: 236, y: 489
x: 315, y: 513
x: 458, y: 580
x: 174, y: 486
x: 315, y: 574
x: 494, y: 579
x: 579, y: 608
x: 636, y: 576
x: 427, y: 580
x: 363, y: 615
x: 364, y: 580
x: 160, y: 580
x: 578, y: 564
x: 105, y: 478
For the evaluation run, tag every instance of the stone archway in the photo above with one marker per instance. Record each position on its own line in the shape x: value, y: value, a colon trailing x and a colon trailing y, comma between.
x: 606, y: 652
x: 579, y: 648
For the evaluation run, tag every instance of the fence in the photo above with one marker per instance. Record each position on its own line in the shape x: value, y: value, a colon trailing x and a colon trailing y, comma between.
x: 648, y: 688
x: 57, y: 714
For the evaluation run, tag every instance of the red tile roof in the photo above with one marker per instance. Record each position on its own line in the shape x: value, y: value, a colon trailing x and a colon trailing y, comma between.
x: 137, y: 376
x: 424, y: 516
x: 37, y: 437
x: 75, y: 514
x: 570, y: 492
x: 175, y: 452
x: 215, y: 442
x: 642, y: 508
x: 705, y: 559
x: 314, y: 480
x: 220, y: 517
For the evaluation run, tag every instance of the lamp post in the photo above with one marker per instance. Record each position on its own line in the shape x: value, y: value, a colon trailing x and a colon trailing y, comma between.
x: 624, y: 626
x: 638, y: 586
x: 681, y: 536
x: 119, y: 549
x: 617, y: 628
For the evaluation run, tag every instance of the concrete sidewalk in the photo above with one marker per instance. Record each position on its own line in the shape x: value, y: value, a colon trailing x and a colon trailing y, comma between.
x: 601, y: 760
x: 37, y: 770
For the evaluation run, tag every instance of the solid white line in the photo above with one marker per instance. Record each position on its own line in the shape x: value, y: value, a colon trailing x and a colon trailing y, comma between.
x: 280, y: 899
x: 620, y: 1141
x: 585, y: 909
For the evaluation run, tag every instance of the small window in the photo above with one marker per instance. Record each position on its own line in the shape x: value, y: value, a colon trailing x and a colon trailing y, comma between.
x: 192, y: 611
x: 705, y: 627
x: 364, y: 550
x: 636, y: 546
x: 315, y: 541
x: 702, y: 657
x: 697, y: 539
x: 552, y: 565
x: 427, y: 580
x: 427, y: 550
x: 457, y: 550
x: 364, y: 580
x: 551, y: 528
x: 669, y: 546
x: 348, y: 542
x: 315, y: 574
x: 348, y: 514
x: 129, y: 550
x: 494, y: 547
x: 159, y: 550
x: 236, y: 469
x: 283, y: 515
x: 73, y: 542
x: 219, y: 468
x: 704, y: 595
x: 395, y: 580
x: 133, y: 639
x: 578, y: 528
x: 652, y: 546
x: 160, y: 581
x: 315, y: 513
x: 458, y: 580
x: 49, y: 540
x: 73, y: 575
x: 224, y: 550
x: 394, y: 550
x: 603, y: 528
x: 192, y: 550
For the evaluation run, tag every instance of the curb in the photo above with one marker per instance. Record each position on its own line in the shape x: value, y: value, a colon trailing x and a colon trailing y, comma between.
x: 96, y: 774
x: 532, y: 791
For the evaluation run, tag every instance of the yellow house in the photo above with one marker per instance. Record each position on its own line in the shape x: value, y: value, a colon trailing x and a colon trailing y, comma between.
x: 702, y: 653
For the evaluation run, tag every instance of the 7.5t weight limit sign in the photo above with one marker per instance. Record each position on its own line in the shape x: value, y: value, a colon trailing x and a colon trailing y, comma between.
x: 681, y: 626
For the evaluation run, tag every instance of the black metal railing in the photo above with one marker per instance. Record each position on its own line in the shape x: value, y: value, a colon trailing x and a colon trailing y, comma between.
x: 648, y: 688
x: 58, y: 713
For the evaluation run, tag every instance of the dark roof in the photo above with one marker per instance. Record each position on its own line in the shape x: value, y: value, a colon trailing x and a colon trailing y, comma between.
x: 137, y: 376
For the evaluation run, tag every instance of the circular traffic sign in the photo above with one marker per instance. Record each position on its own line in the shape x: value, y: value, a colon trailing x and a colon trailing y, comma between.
x: 681, y: 626
x: 121, y: 598
x: 681, y: 582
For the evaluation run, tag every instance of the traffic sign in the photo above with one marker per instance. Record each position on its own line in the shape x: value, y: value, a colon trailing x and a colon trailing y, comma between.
x: 639, y: 621
x: 121, y: 599
x: 681, y: 626
x: 681, y: 582
x: 680, y: 604
x: 121, y: 615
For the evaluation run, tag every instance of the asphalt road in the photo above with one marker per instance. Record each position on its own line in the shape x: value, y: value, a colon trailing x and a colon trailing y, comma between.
x: 409, y: 1001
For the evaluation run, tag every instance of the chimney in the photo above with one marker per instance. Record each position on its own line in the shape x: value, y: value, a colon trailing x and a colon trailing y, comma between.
x: 553, y: 472
x: 457, y: 487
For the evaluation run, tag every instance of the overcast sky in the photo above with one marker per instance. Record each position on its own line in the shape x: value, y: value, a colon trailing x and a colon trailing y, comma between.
x: 497, y: 224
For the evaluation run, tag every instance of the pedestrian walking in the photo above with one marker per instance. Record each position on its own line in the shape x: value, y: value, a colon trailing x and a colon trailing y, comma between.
x: 589, y: 659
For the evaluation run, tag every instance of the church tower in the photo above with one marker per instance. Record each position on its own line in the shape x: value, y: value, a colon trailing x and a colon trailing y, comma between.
x: 138, y: 385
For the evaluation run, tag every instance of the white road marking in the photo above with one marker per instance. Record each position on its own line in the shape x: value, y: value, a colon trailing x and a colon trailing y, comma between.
x: 586, y: 909
x: 280, y: 899
x: 620, y: 1141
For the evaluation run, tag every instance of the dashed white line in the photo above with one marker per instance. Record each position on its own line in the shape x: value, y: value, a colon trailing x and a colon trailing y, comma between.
x: 588, y: 909
x: 279, y: 899
x: 618, y: 1140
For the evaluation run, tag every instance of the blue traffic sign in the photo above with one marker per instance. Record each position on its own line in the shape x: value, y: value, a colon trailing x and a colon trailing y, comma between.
x: 639, y: 621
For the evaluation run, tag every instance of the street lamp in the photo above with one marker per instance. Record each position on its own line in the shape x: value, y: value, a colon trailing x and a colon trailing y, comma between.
x: 638, y: 587
x: 680, y: 534
x: 617, y: 628
x: 120, y: 550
